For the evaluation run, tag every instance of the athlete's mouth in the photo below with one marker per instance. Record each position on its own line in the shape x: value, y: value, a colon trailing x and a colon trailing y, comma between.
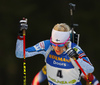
x: 57, y: 51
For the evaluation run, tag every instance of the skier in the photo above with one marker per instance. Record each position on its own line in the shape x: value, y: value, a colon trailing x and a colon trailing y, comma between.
x: 59, y: 54
x: 41, y: 76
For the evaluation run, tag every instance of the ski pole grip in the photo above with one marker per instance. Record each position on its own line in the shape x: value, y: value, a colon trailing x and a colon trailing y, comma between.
x: 24, y: 31
x: 24, y: 21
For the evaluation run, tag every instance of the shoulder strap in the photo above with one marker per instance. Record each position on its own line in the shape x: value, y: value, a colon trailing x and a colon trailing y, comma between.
x: 72, y: 61
x: 48, y: 51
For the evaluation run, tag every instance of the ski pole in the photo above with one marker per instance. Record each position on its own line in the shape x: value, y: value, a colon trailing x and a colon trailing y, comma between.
x: 24, y: 27
x: 24, y: 63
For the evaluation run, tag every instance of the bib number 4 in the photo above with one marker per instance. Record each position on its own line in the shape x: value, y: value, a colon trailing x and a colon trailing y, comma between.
x: 59, y: 74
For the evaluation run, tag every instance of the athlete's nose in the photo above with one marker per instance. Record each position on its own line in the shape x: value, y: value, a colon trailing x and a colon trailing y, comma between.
x: 57, y: 47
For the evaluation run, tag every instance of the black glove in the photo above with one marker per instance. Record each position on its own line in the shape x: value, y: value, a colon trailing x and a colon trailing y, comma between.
x: 23, y: 25
x: 72, y: 53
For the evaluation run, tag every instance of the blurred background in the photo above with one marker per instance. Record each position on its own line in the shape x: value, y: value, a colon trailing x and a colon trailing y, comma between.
x: 42, y: 15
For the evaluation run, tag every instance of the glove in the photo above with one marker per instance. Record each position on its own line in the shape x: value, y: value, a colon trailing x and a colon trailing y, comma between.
x: 23, y: 25
x: 72, y: 53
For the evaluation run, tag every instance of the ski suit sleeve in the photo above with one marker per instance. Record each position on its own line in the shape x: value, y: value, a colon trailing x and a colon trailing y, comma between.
x: 40, y: 77
x: 83, y: 60
x: 39, y: 48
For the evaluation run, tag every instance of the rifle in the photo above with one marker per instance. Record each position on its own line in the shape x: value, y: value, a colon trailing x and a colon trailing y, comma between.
x: 74, y: 36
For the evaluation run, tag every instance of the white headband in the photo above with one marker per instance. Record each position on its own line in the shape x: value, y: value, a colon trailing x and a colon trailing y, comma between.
x: 59, y: 36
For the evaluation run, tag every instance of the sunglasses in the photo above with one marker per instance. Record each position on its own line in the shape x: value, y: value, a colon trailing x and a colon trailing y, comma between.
x: 59, y: 45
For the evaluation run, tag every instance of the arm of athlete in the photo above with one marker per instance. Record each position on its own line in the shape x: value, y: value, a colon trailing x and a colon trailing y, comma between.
x: 81, y: 57
x: 39, y: 48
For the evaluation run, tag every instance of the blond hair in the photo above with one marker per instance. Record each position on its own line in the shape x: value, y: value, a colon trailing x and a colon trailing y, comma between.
x: 62, y: 27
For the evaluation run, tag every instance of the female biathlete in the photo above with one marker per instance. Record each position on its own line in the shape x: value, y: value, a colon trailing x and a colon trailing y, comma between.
x: 59, y: 53
x: 41, y: 76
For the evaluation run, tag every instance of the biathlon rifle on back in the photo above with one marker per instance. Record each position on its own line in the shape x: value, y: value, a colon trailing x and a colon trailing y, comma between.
x: 74, y: 35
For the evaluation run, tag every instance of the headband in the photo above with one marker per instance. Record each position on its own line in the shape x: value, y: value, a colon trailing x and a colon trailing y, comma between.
x: 59, y: 36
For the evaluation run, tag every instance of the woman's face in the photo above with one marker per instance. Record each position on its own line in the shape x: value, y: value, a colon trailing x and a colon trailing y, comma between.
x: 58, y: 50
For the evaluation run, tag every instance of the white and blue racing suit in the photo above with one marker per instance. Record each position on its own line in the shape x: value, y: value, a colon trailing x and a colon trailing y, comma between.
x: 61, y: 70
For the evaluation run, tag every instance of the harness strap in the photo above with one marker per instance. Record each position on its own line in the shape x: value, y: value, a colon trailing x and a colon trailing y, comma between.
x: 48, y: 51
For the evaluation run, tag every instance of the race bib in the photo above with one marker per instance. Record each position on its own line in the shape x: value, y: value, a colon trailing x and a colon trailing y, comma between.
x: 61, y: 76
